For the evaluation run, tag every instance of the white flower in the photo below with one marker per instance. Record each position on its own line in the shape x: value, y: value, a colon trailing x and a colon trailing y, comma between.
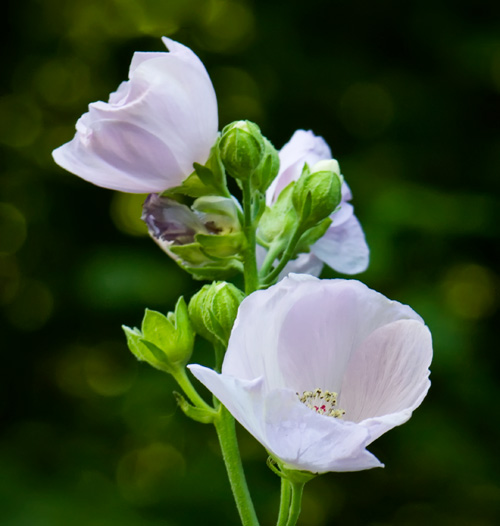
x: 343, y: 247
x: 305, y: 338
x: 152, y: 130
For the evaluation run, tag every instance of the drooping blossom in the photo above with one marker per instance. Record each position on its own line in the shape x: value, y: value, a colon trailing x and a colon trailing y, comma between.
x: 316, y: 370
x: 343, y: 246
x: 152, y: 130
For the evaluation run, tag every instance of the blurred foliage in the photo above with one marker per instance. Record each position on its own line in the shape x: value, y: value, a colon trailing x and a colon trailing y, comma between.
x: 407, y: 95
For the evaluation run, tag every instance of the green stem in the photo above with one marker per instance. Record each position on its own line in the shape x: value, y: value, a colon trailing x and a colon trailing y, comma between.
x: 250, y: 262
x: 185, y: 384
x: 226, y: 432
x: 219, y: 351
x: 271, y: 255
x: 268, y: 280
x: 295, y: 506
x: 284, y: 502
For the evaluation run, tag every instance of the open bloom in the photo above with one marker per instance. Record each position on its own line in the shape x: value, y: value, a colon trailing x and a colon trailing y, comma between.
x: 318, y: 369
x: 343, y: 247
x: 152, y: 130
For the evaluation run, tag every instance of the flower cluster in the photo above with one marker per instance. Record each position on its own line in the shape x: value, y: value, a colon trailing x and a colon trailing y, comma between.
x: 314, y: 369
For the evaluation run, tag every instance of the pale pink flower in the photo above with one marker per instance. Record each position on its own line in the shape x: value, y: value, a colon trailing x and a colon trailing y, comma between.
x: 152, y: 130
x: 368, y: 355
x: 343, y: 247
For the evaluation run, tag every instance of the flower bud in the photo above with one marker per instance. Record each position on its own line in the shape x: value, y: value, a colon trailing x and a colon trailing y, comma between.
x: 317, y: 193
x: 242, y: 148
x: 213, y: 310
x: 268, y: 168
x: 204, y: 240
x: 165, y: 342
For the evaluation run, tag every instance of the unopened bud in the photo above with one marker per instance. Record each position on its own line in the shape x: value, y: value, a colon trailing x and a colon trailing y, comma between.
x: 242, y: 149
x: 317, y: 193
x: 165, y: 342
x: 213, y: 311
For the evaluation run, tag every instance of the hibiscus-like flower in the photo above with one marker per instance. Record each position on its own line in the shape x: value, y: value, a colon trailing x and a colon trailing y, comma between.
x: 316, y: 370
x: 343, y: 246
x: 152, y: 130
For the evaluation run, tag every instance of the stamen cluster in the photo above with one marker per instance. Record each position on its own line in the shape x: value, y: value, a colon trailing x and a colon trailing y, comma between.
x: 323, y: 402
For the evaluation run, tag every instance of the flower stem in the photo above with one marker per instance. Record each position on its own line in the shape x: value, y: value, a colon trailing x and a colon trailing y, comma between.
x: 295, y: 506
x: 271, y: 255
x: 226, y: 432
x: 284, y: 502
x: 250, y: 262
x: 185, y: 384
x: 287, y: 254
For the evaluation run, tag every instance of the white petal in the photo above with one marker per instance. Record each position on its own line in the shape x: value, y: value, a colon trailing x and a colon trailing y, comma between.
x: 253, y: 353
x: 243, y: 398
x: 120, y: 156
x: 173, y: 100
x: 305, y: 440
x: 303, y: 147
x: 387, y: 376
x: 307, y: 329
x: 290, y: 431
x: 153, y: 129
x: 343, y: 247
x: 305, y: 263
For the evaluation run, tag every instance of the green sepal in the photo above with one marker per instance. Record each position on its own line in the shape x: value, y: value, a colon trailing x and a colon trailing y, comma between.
x: 204, y: 416
x: 221, y: 246
x: 312, y: 235
x: 208, y: 179
x: 317, y: 193
x: 293, y: 475
x: 143, y: 352
x: 190, y: 254
x: 279, y: 221
x: 192, y: 186
x: 165, y: 342
x: 268, y: 169
x: 223, y: 269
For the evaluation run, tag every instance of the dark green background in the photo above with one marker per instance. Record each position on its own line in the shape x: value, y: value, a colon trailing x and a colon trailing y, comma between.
x: 406, y: 94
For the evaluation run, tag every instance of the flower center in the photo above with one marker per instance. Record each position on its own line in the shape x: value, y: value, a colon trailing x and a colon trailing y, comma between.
x: 323, y: 402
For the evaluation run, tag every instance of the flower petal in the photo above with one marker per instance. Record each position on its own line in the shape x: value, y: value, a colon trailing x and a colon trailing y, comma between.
x: 303, y: 147
x: 387, y: 376
x: 243, y: 398
x: 120, y: 156
x: 306, y: 440
x: 152, y: 130
x: 307, y: 329
x: 298, y: 436
x: 343, y: 247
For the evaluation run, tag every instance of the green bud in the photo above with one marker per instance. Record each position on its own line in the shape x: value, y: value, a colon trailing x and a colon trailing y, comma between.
x: 213, y: 310
x: 268, y: 169
x: 242, y: 148
x: 165, y: 342
x: 317, y: 193
x: 279, y: 220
